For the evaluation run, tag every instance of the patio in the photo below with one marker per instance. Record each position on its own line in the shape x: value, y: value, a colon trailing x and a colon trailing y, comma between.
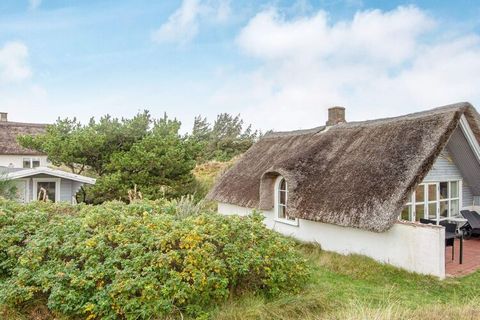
x: 471, y: 258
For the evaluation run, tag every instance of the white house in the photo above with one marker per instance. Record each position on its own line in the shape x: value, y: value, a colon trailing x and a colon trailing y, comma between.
x: 362, y: 187
x: 29, y: 169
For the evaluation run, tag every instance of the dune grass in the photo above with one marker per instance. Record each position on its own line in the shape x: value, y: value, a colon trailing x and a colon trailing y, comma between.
x: 356, y: 287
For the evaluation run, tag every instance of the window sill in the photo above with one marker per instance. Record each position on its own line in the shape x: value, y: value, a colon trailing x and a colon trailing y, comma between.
x: 286, y: 221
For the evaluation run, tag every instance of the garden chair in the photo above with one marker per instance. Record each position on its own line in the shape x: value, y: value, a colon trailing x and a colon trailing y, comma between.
x: 472, y: 227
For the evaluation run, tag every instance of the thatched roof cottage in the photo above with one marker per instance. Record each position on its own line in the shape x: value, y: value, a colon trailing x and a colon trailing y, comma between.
x: 361, y: 187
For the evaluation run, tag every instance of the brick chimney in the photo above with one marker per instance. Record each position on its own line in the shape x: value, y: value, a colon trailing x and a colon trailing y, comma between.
x: 3, y: 117
x: 336, y: 115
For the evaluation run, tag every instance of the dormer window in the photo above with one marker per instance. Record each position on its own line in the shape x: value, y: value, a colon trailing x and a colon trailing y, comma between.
x: 281, y: 202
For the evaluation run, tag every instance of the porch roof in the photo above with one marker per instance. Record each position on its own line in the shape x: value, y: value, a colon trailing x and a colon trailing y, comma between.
x: 17, y: 173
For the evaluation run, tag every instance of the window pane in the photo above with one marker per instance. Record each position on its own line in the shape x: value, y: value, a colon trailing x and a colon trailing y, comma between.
x: 36, y: 163
x: 283, y: 197
x: 420, y: 194
x: 281, y: 211
x: 443, y: 209
x: 443, y: 190
x: 406, y: 213
x: 432, y: 210
x: 432, y: 192
x: 26, y: 163
x: 454, y: 208
x: 283, y: 185
x: 454, y: 189
x: 419, y: 212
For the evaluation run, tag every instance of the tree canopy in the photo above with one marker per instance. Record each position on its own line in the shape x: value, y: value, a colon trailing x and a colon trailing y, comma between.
x: 141, y: 153
x: 225, y: 139
x: 76, y: 146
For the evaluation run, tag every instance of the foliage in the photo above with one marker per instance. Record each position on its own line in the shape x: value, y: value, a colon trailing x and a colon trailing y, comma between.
x: 207, y: 173
x: 160, y: 165
x: 69, y: 143
x: 224, y: 140
x: 139, y: 261
x: 150, y: 154
x: 8, y: 189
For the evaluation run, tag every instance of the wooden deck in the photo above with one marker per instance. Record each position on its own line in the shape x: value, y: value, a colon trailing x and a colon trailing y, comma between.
x: 471, y: 258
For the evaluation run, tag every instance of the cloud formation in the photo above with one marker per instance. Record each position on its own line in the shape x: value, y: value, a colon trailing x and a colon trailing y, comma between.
x: 183, y: 25
x: 378, y: 63
x: 13, y: 62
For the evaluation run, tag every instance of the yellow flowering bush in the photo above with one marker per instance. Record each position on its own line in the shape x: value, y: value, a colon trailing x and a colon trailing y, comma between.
x: 138, y: 261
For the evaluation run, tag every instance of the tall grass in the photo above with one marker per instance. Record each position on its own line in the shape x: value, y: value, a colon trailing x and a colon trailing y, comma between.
x: 355, y: 287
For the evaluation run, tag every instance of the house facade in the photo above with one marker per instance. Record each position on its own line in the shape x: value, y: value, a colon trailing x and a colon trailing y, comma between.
x: 29, y: 169
x: 362, y: 187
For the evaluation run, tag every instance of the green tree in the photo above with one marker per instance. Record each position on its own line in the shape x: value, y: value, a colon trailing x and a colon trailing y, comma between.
x: 224, y: 140
x: 78, y: 147
x: 159, y: 165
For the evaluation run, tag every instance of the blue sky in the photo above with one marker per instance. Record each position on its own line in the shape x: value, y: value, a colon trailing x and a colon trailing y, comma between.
x: 280, y: 64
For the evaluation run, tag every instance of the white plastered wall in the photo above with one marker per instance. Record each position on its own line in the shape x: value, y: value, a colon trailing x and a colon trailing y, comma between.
x: 16, y: 161
x: 414, y: 247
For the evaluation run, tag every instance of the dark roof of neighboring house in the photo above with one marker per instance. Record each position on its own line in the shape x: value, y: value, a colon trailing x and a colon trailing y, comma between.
x: 9, y: 131
x: 356, y: 174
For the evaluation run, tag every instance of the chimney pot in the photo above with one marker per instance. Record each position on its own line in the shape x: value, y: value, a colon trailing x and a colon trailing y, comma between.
x: 3, y: 117
x: 336, y: 115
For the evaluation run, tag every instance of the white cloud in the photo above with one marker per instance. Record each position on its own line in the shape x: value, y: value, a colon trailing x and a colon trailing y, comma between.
x: 13, y: 62
x: 378, y: 63
x: 34, y: 4
x: 183, y: 25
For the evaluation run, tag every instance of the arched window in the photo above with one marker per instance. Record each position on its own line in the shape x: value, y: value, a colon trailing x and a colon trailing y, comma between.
x: 281, y: 202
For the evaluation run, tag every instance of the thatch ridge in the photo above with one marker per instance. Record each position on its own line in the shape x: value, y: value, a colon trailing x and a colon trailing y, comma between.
x: 356, y: 174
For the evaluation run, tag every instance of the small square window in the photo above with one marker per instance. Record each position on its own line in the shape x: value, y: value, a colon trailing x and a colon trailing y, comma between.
x: 35, y: 163
x: 27, y: 162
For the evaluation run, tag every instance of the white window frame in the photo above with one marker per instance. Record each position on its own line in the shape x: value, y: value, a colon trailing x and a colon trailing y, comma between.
x: 57, y: 187
x: 277, y: 203
x: 31, y: 159
x: 412, y: 203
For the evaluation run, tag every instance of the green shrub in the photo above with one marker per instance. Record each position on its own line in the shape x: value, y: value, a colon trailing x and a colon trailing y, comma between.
x: 138, y: 261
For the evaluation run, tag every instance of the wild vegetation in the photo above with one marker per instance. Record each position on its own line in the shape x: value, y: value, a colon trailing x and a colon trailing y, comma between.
x: 150, y: 155
x: 144, y: 260
x: 225, y: 139
x: 8, y: 189
x: 174, y: 258
x: 355, y: 287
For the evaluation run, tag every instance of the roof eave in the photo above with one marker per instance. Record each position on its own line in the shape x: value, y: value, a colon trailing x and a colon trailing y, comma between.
x: 57, y: 173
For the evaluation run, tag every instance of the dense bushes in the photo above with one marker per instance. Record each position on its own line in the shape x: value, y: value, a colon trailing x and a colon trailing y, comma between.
x: 139, y: 261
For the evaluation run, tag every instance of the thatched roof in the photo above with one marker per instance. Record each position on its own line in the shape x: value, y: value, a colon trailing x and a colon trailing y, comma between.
x: 356, y: 174
x: 9, y: 131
